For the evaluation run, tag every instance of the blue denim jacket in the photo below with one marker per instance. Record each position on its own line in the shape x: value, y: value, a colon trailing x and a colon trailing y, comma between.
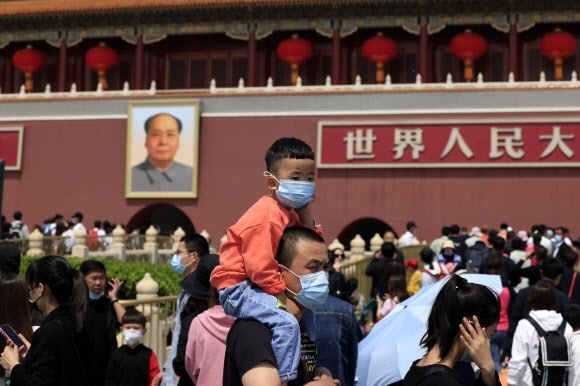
x: 337, y: 337
x: 169, y: 377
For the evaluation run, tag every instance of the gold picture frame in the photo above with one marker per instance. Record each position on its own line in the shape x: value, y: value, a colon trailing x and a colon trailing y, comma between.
x: 162, y: 149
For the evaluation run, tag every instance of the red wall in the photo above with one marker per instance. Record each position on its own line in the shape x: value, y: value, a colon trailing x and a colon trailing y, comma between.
x: 80, y: 165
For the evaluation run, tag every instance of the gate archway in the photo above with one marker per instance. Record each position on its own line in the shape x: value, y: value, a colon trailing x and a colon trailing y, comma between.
x: 168, y: 217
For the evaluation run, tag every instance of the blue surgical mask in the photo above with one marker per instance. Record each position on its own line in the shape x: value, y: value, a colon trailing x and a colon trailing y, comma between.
x: 92, y: 296
x: 176, y: 263
x: 293, y: 194
x: 557, y: 238
x: 314, y: 289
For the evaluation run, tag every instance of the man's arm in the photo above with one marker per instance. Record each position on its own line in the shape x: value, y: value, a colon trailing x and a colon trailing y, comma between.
x: 263, y: 374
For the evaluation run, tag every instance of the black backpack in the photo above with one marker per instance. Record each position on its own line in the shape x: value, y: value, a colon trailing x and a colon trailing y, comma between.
x: 554, y: 356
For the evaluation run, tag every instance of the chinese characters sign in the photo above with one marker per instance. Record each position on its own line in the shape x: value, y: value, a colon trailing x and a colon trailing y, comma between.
x: 471, y: 143
x: 11, y: 146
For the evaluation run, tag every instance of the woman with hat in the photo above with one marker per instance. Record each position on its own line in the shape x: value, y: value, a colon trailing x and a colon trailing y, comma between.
x: 449, y: 258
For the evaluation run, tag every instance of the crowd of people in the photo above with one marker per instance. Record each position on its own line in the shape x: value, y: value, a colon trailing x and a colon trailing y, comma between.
x: 539, y: 292
x: 260, y: 311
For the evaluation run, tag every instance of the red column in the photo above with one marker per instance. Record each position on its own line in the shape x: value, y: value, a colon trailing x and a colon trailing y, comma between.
x: 513, y: 51
x: 62, y: 59
x: 251, y: 81
x: 424, y: 54
x: 139, y: 63
x: 336, y: 56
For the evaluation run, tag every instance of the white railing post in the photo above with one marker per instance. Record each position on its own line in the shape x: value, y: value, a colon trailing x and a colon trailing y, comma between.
x: 118, y: 246
x: 79, y: 248
x: 35, y: 244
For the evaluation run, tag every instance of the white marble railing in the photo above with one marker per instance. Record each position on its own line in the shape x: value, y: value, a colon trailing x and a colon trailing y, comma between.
x: 214, y: 88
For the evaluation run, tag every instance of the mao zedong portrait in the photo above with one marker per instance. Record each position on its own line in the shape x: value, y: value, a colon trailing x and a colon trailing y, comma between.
x: 159, y: 172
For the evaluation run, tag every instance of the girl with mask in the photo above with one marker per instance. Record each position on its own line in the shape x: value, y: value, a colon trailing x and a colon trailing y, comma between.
x: 55, y: 355
x: 248, y: 278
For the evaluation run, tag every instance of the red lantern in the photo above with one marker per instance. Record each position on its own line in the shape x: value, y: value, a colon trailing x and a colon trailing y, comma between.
x: 557, y: 46
x: 100, y: 59
x: 28, y: 60
x: 468, y: 46
x: 294, y: 51
x: 380, y: 50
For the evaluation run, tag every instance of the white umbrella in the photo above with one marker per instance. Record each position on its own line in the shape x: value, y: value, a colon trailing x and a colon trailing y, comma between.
x: 392, y: 346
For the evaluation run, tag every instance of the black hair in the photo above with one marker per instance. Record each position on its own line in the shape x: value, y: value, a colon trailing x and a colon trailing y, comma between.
x: 388, y: 250
x: 503, y: 225
x: 89, y: 266
x: 194, y: 306
x: 458, y: 299
x: 195, y: 243
x: 499, y: 244
x: 150, y: 119
x: 289, y: 242
x: 17, y: 215
x: 493, y: 264
x: 454, y: 229
x: 410, y: 225
x: 517, y: 244
x: 98, y: 224
x: 9, y: 257
x: 133, y: 316
x: 552, y: 268
x: 445, y: 231
x: 427, y: 256
x: 282, y: 148
x: 541, y: 252
x: 66, y: 284
x: 569, y: 257
x: 542, y: 296
x: 572, y: 315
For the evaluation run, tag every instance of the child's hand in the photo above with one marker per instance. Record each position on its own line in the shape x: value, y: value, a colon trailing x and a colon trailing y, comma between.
x: 305, y: 213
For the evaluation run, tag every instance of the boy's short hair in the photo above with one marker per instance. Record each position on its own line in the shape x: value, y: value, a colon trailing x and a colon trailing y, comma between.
x: 293, y: 148
x: 572, y: 315
x: 133, y: 316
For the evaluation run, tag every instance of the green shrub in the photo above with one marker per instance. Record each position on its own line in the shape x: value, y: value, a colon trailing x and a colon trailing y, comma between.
x: 130, y: 273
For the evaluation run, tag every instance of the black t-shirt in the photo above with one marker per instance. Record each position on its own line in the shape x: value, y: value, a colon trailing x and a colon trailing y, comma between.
x: 437, y: 375
x: 249, y: 342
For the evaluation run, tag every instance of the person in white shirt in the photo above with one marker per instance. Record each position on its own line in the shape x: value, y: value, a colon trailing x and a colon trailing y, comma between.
x: 408, y: 237
x: 526, y: 339
x: 77, y: 220
x: 18, y: 226
x: 572, y: 315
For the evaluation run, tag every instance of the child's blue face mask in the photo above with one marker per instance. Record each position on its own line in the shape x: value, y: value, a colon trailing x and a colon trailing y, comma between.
x: 293, y: 194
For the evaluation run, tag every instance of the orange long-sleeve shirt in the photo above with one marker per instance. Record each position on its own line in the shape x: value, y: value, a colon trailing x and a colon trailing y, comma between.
x: 251, y: 247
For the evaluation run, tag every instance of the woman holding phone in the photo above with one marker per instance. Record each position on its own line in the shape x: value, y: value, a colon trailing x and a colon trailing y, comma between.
x: 14, y: 309
x: 55, y: 356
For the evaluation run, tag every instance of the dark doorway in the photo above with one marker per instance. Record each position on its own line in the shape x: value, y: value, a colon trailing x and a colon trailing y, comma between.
x: 365, y: 227
x: 168, y: 217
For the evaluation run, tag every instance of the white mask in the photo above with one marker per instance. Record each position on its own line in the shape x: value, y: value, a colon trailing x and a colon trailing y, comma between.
x: 132, y: 337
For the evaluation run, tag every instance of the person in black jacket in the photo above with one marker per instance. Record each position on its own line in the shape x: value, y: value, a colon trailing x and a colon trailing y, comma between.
x: 55, y: 356
x: 133, y: 363
x: 102, y: 320
x: 336, y: 282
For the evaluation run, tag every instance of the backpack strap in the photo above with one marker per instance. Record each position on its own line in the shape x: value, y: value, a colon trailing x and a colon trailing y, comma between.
x: 562, y: 327
x: 539, y: 329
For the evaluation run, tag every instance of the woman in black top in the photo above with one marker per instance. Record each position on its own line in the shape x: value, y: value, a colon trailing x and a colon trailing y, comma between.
x: 463, y: 318
x: 54, y: 358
